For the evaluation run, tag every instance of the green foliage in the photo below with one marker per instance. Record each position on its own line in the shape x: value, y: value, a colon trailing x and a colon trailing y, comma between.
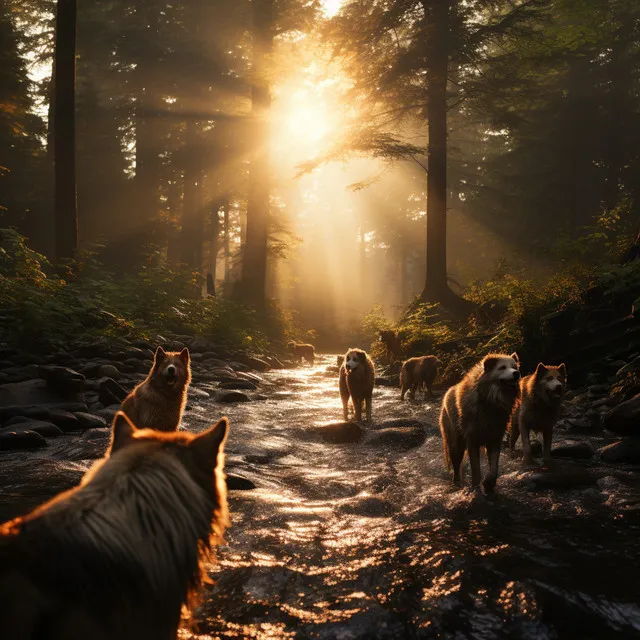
x: 43, y: 309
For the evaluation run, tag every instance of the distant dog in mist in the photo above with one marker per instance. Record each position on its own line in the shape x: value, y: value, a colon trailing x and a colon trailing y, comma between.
x: 418, y: 373
x: 357, y: 378
x: 541, y: 396
x: 302, y: 350
x: 475, y: 414
x: 392, y: 344
x: 117, y: 557
x: 158, y: 402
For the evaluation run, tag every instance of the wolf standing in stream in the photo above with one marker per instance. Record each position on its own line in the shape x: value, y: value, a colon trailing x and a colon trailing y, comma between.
x: 475, y: 414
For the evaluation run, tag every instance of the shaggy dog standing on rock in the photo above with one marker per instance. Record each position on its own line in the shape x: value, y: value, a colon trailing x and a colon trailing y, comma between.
x: 542, y: 394
x: 158, y: 401
x: 301, y: 350
x: 118, y: 556
x: 357, y: 377
x: 417, y: 373
x: 392, y: 344
x: 475, y: 414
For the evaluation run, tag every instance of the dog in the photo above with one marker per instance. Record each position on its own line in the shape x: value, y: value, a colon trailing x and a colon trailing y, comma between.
x: 541, y: 396
x: 357, y: 377
x: 119, y: 555
x: 301, y: 350
x: 392, y: 344
x: 417, y: 373
x: 475, y: 414
x: 158, y: 402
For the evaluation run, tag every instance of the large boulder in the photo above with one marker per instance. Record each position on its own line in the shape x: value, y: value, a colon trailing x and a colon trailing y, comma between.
x: 625, y: 451
x: 45, y: 429
x: 229, y: 397
x: 624, y: 419
x: 342, y: 432
x: 67, y: 383
x: 32, y: 392
x: 573, y: 449
x: 14, y: 440
x: 110, y: 392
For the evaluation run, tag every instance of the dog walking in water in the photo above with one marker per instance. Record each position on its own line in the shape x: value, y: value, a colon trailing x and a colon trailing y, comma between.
x: 357, y: 378
x: 117, y: 557
x: 475, y: 414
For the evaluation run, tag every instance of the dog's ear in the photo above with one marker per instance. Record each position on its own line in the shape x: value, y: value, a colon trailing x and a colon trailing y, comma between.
x: 184, y: 355
x: 489, y: 363
x: 563, y: 370
x: 207, y: 445
x: 121, y: 432
x: 540, y: 370
x: 514, y: 355
x: 160, y: 355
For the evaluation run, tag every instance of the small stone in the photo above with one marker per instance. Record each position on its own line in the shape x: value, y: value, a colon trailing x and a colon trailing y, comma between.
x: 108, y: 371
x: 342, y: 432
x: 20, y: 440
x: 238, y: 483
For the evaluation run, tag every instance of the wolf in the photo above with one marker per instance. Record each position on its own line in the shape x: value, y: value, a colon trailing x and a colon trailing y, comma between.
x: 417, y: 373
x: 357, y: 377
x: 158, y: 402
x: 541, y: 396
x: 301, y: 350
x: 392, y: 344
x: 475, y: 414
x: 120, y: 554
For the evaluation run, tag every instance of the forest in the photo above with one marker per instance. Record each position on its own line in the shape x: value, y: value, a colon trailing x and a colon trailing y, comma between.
x: 226, y: 225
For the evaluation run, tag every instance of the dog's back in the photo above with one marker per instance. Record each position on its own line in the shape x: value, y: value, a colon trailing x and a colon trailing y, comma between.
x: 119, y: 555
x: 418, y: 372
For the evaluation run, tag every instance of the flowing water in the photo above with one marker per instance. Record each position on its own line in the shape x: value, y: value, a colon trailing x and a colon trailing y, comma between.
x: 368, y: 540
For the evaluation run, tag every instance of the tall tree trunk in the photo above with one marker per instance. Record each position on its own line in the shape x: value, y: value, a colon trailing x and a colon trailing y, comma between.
x: 193, y: 212
x: 65, y: 207
x: 227, y: 246
x: 404, y: 284
x: 213, y: 250
x: 436, y: 288
x: 254, y: 265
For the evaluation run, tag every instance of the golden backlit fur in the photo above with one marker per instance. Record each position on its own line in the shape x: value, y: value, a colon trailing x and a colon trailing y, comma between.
x: 541, y: 397
x: 475, y: 414
x: 301, y: 350
x: 158, y: 402
x: 418, y: 373
x: 357, y: 378
x: 118, y: 556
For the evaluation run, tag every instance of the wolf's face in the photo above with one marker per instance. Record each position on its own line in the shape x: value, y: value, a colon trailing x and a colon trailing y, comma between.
x: 354, y: 358
x: 171, y: 367
x: 503, y: 369
x: 551, y: 380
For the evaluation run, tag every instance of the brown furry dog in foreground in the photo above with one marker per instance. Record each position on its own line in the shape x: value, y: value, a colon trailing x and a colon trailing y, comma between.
x: 541, y: 396
x: 119, y: 555
x: 158, y: 401
x: 392, y: 344
x: 475, y: 414
x: 417, y: 373
x: 301, y: 350
x: 357, y: 377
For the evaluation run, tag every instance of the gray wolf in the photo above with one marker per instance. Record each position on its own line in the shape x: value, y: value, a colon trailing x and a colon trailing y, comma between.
x: 118, y: 556
x: 357, y: 377
x: 417, y: 373
x: 475, y: 414
x: 541, y: 396
x: 392, y: 343
x: 158, y: 402
x: 301, y: 350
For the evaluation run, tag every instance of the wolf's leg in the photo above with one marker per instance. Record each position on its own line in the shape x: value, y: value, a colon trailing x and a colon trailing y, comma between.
x: 547, y: 436
x: 514, y: 433
x: 412, y: 393
x: 527, y: 458
x: 368, y: 407
x: 345, y: 407
x: 456, y: 456
x: 403, y: 391
x: 474, y: 460
x: 357, y: 405
x: 493, y: 459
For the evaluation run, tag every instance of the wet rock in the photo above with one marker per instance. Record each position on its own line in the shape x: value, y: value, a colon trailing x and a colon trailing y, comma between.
x: 45, y: 429
x: 587, y: 423
x: 384, y: 382
x: 17, y: 420
x: 109, y: 413
x: 66, y: 420
x: 11, y: 440
x: 632, y: 367
x: 29, y: 392
x: 199, y: 345
x: 560, y: 478
x: 238, y: 384
x: 598, y: 390
x: 20, y: 374
x: 110, y: 392
x: 194, y: 392
x: 257, y: 364
x: 342, y: 432
x: 624, y: 420
x: 232, y: 396
x: 238, y: 483
x: 90, y: 421
x: 576, y: 450
x: 108, y: 371
x: 603, y: 402
x: 239, y: 366
x: 625, y: 451
x: 142, y: 344
x: 398, y: 437
x: 66, y: 382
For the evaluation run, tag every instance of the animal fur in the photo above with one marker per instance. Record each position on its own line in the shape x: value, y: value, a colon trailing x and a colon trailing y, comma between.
x: 392, y: 344
x: 357, y: 377
x: 118, y: 556
x: 301, y: 350
x: 475, y: 414
x: 417, y: 373
x: 541, y: 396
x: 158, y: 401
